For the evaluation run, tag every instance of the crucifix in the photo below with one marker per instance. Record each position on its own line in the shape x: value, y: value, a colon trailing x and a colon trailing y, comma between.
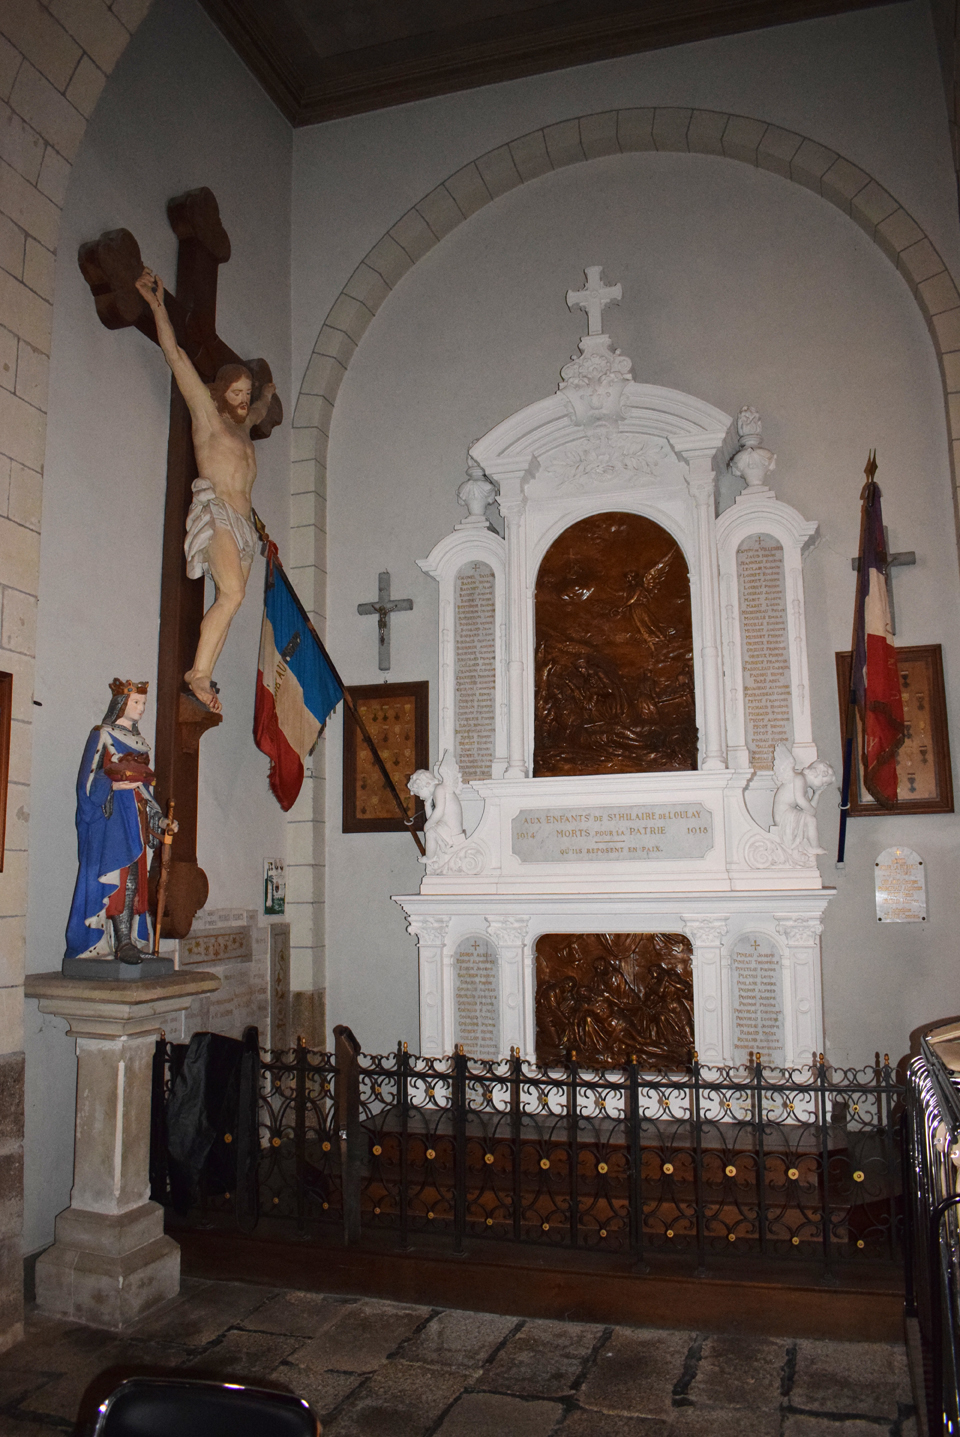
x: 111, y: 266
x: 901, y: 560
x: 383, y: 608
x: 594, y: 297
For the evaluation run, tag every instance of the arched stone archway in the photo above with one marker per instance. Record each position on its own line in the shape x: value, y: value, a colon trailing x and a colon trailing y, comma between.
x: 587, y: 137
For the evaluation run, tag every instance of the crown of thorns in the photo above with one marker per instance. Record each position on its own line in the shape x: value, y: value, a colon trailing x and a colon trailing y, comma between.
x: 128, y: 686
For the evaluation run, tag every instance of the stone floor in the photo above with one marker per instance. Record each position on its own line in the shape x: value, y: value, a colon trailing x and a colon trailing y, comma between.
x: 381, y: 1369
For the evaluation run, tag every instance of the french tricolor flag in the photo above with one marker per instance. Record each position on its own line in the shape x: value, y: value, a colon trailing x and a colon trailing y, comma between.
x: 875, y: 676
x: 297, y: 689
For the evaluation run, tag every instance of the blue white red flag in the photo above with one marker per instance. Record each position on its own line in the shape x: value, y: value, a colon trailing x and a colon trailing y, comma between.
x: 297, y: 689
x: 875, y: 675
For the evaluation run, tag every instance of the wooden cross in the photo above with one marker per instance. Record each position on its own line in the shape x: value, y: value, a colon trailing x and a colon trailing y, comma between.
x: 594, y: 297
x: 383, y: 608
x: 902, y: 560
x: 111, y: 265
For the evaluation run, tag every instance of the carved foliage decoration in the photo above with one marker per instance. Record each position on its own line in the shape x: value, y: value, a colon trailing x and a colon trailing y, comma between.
x: 614, y: 651
x: 607, y: 996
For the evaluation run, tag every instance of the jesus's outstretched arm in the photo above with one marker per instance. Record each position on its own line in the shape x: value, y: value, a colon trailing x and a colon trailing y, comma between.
x: 203, y: 411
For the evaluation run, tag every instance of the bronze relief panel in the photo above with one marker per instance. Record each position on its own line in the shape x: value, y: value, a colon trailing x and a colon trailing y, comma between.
x: 608, y: 996
x: 614, y: 684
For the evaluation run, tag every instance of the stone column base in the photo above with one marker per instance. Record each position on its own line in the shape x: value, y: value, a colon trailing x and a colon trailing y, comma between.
x: 107, y: 1270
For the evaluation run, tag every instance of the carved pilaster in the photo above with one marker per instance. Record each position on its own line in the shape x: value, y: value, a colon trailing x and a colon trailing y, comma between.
x: 709, y: 985
x: 436, y: 986
x: 803, y: 1016
x: 702, y: 489
x: 517, y: 983
x: 513, y: 520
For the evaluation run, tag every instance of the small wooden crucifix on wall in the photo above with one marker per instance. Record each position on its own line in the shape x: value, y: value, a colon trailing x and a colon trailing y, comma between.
x: 111, y: 266
x: 904, y: 559
x: 383, y: 608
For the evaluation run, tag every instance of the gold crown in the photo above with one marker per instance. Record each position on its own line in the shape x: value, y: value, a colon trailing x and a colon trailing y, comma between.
x: 128, y: 686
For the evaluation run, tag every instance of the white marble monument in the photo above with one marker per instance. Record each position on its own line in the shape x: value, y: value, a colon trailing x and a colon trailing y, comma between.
x: 724, y: 853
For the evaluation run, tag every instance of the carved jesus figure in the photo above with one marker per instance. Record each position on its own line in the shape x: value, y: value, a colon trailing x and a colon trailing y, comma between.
x: 221, y: 539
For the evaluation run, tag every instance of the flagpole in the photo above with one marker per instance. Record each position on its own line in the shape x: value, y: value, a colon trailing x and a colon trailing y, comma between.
x: 348, y: 700
x: 851, y: 726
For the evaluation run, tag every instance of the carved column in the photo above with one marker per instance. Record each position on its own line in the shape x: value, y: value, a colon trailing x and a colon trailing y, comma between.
x: 802, y: 1002
x: 710, y: 988
x: 437, y: 1007
x: 516, y: 623
x: 516, y: 983
x: 702, y: 489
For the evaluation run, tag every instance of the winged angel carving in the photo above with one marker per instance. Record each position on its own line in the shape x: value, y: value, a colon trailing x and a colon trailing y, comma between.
x: 440, y: 791
x: 795, y: 804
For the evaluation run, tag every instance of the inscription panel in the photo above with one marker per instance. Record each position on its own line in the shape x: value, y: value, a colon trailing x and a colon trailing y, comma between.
x: 900, y: 887
x: 767, y: 707
x: 757, y: 976
x: 598, y: 835
x: 477, y: 1009
x: 476, y: 676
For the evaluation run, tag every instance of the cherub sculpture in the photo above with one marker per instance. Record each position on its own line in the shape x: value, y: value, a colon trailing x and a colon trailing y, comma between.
x: 443, y: 830
x: 795, y: 804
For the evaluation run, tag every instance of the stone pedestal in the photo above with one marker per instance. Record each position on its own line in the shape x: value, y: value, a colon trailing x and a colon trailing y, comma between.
x: 111, y: 1261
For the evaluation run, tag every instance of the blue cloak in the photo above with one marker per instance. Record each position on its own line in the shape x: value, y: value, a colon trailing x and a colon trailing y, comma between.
x: 106, y: 845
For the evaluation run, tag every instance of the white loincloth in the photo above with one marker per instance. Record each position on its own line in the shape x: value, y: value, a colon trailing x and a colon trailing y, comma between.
x: 206, y: 514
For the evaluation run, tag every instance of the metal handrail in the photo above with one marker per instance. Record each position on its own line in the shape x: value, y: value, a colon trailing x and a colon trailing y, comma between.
x: 931, y: 1240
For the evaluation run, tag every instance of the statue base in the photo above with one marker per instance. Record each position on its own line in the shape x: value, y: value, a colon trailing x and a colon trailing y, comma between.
x: 111, y: 1262
x: 111, y: 970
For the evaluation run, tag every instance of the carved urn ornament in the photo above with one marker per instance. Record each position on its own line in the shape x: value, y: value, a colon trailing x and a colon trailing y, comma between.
x: 475, y: 494
x: 752, y: 463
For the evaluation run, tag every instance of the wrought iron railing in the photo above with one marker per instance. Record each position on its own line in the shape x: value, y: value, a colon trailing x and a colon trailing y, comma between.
x: 932, y: 1231
x: 710, y: 1161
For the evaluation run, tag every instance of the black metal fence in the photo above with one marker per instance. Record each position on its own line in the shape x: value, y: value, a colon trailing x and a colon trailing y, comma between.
x: 397, y: 1148
x: 932, y: 1231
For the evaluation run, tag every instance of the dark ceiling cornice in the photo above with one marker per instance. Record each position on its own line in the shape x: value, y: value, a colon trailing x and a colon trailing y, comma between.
x: 309, y: 88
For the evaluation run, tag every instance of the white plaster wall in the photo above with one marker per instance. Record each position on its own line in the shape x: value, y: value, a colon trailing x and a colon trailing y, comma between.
x: 866, y: 84
x: 738, y: 286
x: 179, y: 111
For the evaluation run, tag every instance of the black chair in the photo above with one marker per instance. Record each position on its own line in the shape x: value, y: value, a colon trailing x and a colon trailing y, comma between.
x: 179, y: 1407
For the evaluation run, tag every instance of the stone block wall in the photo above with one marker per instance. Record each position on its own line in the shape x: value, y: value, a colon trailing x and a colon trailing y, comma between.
x: 54, y: 61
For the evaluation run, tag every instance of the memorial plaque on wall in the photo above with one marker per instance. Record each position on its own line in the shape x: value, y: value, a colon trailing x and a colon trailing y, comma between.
x: 625, y: 834
x: 474, y: 600
x: 901, y: 887
x: 757, y: 977
x: 767, y: 708
x: 614, y: 684
x: 477, y: 1008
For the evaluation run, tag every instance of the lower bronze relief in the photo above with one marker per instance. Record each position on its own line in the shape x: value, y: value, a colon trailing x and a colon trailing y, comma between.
x: 614, y: 686
x: 610, y: 996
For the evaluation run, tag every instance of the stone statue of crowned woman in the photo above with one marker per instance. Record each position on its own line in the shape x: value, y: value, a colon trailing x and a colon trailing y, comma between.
x: 118, y: 820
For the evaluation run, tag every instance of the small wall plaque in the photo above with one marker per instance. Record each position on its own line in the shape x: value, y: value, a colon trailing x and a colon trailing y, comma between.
x: 901, y: 887
x: 274, y: 886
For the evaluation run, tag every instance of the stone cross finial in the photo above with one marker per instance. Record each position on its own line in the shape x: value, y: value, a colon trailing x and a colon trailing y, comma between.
x: 594, y: 297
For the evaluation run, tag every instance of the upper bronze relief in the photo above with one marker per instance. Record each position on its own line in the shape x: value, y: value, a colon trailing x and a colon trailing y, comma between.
x: 614, y: 651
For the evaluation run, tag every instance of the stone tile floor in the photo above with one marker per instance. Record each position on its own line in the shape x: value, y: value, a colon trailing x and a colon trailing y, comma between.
x: 384, y: 1369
